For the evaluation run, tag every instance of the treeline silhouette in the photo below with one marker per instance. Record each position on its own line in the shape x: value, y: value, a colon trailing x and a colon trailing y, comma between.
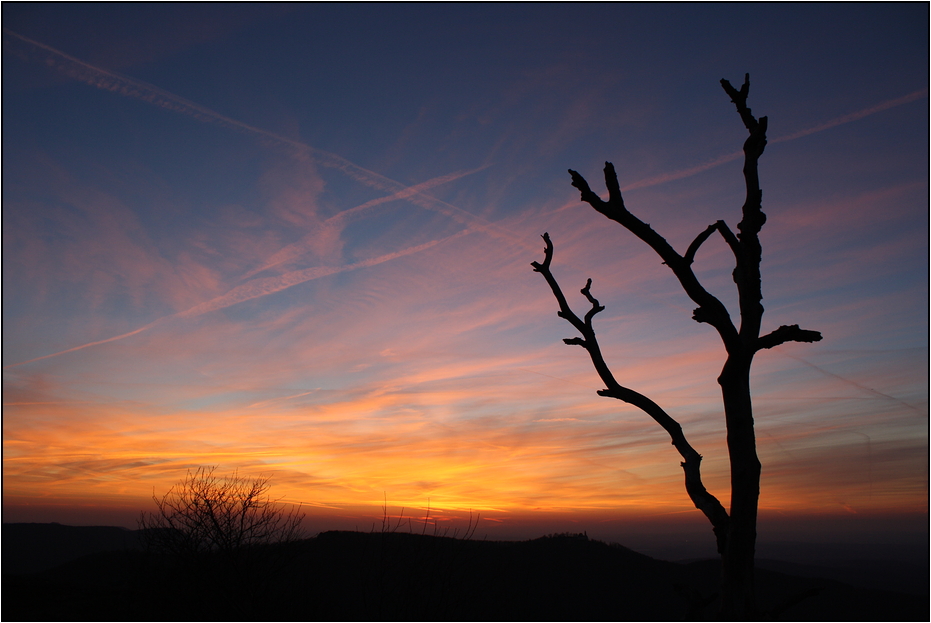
x: 397, y: 575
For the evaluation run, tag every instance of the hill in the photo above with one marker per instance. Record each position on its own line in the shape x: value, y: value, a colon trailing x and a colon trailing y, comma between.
x: 394, y: 576
x: 33, y: 547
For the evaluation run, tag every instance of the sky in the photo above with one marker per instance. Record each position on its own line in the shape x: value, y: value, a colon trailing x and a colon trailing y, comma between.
x: 295, y: 240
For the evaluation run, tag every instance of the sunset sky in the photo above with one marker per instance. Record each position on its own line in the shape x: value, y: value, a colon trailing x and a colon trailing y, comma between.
x: 296, y: 241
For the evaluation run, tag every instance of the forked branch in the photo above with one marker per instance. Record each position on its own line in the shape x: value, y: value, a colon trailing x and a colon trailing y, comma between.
x: 710, y: 309
x: 691, y: 464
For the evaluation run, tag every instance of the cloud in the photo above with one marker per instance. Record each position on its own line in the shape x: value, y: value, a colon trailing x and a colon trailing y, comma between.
x: 331, y: 227
x: 130, y: 87
x: 257, y: 288
x: 269, y: 285
x: 405, y: 193
x: 442, y: 375
x: 450, y: 418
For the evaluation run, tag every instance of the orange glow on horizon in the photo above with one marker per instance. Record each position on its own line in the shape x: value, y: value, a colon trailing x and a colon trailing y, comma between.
x: 340, y: 455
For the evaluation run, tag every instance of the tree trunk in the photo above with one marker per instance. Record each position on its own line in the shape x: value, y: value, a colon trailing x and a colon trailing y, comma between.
x: 737, y: 590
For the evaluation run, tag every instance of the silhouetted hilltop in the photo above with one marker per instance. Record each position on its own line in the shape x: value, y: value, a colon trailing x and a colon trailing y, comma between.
x: 32, y: 547
x: 393, y: 576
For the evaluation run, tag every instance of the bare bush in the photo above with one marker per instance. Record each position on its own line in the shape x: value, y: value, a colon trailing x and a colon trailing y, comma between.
x: 206, y: 513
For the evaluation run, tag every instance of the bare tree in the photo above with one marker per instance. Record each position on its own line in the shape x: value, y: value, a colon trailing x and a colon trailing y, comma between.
x: 735, y: 530
x: 210, y: 514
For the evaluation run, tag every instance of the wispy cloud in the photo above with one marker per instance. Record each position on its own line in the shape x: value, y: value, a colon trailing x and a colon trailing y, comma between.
x: 333, y: 225
x: 435, y: 371
x: 130, y: 87
x: 272, y: 400
x: 571, y: 454
x: 445, y: 415
x: 257, y: 288
x: 269, y: 285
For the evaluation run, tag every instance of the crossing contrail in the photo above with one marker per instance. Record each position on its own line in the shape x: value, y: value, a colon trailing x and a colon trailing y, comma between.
x: 339, y: 220
x: 130, y: 87
x: 137, y: 89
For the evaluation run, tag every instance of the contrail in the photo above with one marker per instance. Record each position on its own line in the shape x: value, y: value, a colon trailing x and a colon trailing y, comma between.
x: 405, y: 193
x: 678, y: 175
x: 864, y: 388
x: 257, y: 288
x: 130, y: 87
x: 269, y: 285
x: 265, y: 402
x: 297, y: 249
x: 854, y: 116
x: 109, y: 339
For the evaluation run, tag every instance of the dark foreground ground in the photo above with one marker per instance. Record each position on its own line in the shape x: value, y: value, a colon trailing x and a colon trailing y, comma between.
x: 399, y: 576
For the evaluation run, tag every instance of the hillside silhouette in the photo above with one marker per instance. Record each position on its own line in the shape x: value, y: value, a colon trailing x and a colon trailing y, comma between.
x: 394, y: 575
x: 32, y: 547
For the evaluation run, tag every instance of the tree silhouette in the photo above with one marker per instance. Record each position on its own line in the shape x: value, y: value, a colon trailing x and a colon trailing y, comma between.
x: 735, y: 530
x: 210, y: 515
x: 218, y: 545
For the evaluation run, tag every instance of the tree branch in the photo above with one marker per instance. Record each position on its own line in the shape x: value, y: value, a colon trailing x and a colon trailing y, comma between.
x: 691, y: 464
x: 747, y: 271
x: 586, y: 292
x: 588, y: 196
x: 689, y: 256
x: 731, y: 240
x: 713, y: 311
x: 613, y: 186
x: 787, y: 333
x: 740, y: 100
x: 564, y: 310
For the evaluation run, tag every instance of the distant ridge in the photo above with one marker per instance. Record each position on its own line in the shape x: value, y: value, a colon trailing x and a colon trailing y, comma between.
x: 342, y: 575
x: 33, y: 547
